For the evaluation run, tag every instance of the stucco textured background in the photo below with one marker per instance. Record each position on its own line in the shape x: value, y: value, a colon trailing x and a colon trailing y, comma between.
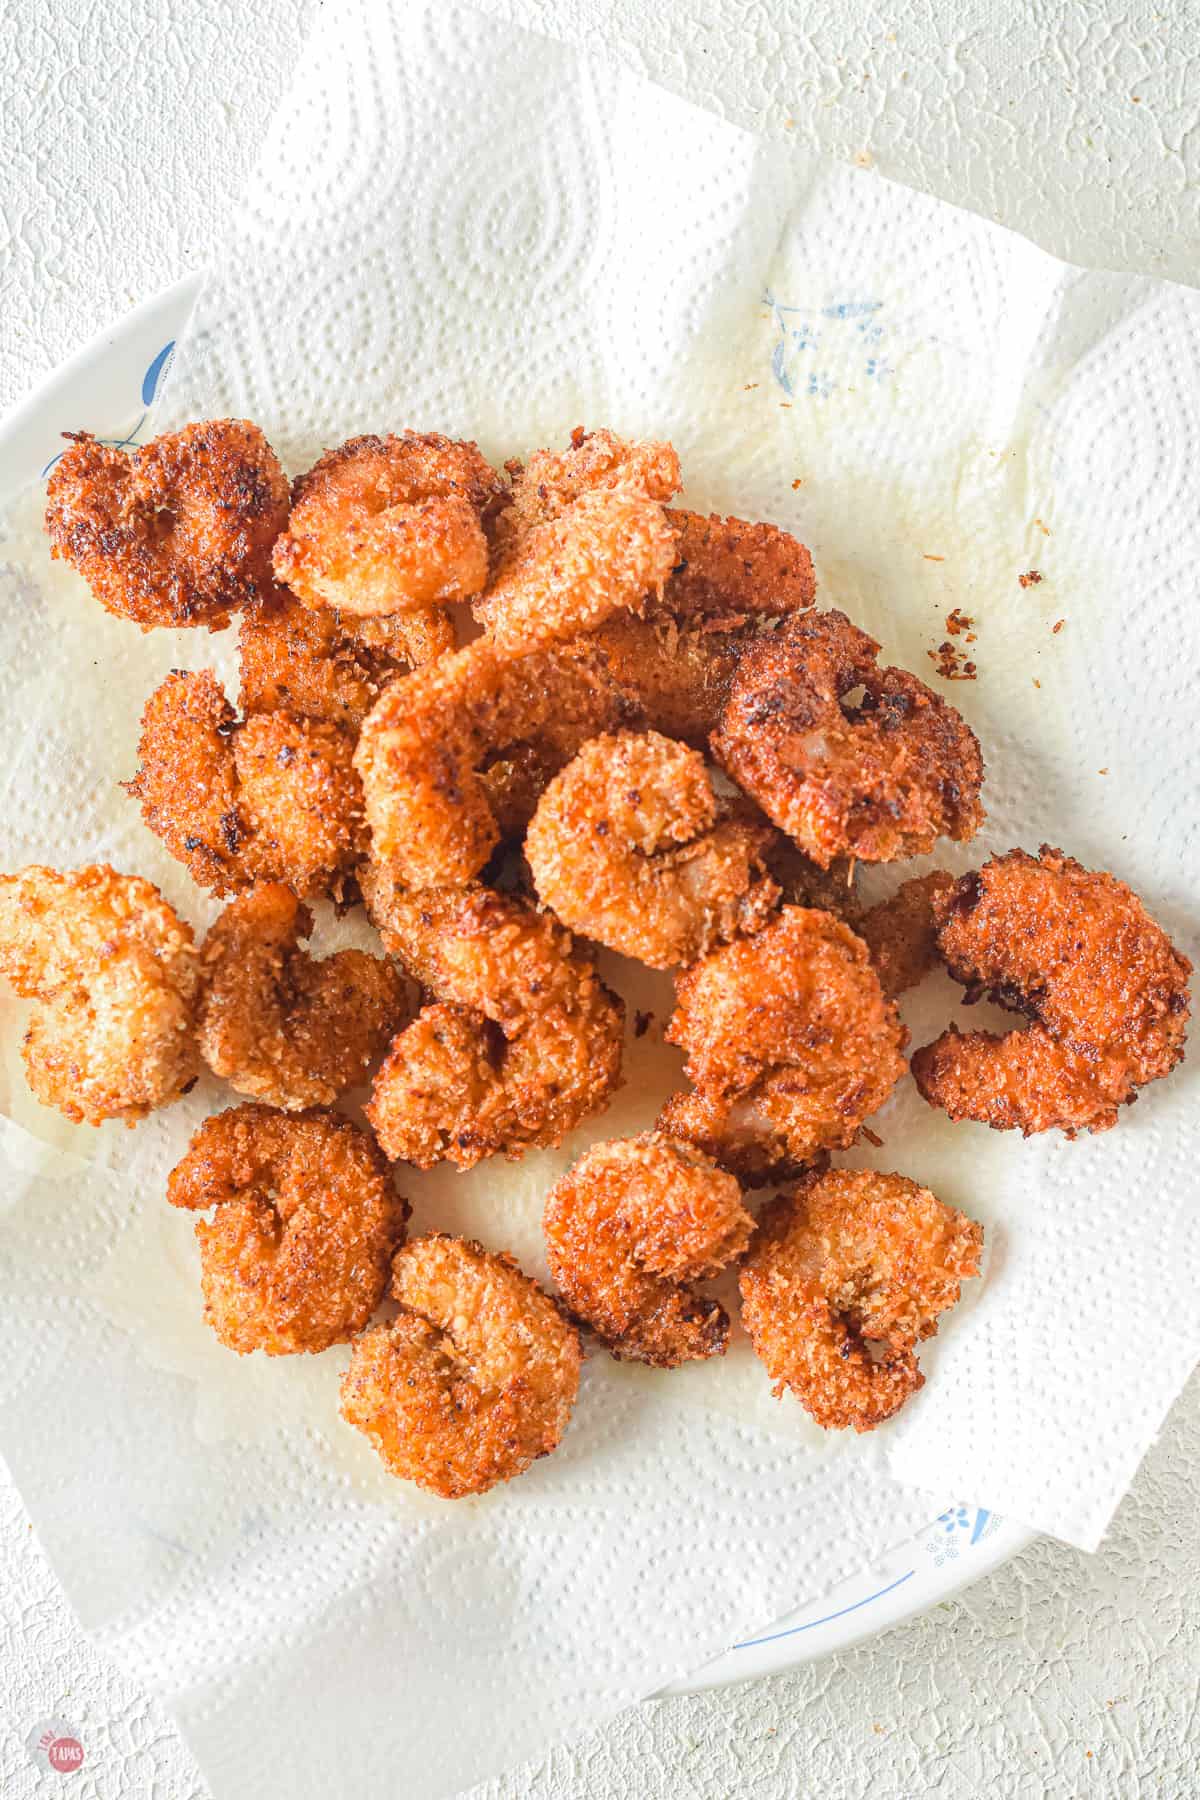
x: 124, y: 133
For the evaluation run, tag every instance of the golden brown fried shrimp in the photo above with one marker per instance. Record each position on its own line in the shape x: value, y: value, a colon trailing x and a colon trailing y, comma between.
x: 678, y: 675
x: 295, y: 1257
x: 281, y: 1026
x: 274, y: 798
x: 427, y: 741
x: 629, y: 1229
x: 846, y: 1276
x: 383, y: 525
x: 595, y: 462
x: 113, y: 972
x: 901, y: 932
x: 329, y: 665
x: 525, y: 1044
x: 790, y: 1043
x: 730, y: 569
x: 879, y: 780
x: 1077, y: 952
x: 629, y: 846
x: 179, y: 532
x: 473, y: 1380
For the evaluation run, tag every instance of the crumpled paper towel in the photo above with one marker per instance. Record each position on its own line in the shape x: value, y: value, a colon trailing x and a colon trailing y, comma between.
x: 459, y: 227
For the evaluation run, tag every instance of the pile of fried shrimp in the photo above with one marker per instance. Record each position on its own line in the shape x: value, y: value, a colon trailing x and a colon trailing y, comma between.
x: 516, y: 714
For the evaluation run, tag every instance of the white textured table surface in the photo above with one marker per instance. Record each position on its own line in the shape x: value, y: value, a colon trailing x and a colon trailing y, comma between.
x: 124, y: 130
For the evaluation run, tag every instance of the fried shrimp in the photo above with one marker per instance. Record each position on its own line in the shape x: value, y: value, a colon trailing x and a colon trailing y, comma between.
x: 1078, y: 954
x: 274, y: 798
x: 901, y: 932
x: 846, y: 1276
x: 281, y: 1026
x: 383, y: 525
x: 629, y: 1229
x: 881, y: 779
x: 113, y: 973
x: 473, y: 1380
x: 427, y: 742
x: 728, y: 569
x: 585, y: 536
x: 790, y: 1043
x: 329, y: 665
x: 179, y: 532
x: 678, y: 676
x: 628, y: 845
x: 523, y: 1044
x: 295, y: 1257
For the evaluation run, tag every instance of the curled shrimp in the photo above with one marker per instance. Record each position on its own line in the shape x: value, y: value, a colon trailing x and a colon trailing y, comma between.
x: 629, y: 1229
x: 1103, y: 986
x: 113, y: 973
x: 901, y: 932
x: 628, y: 845
x: 425, y: 748
x: 789, y: 1042
x: 846, y: 1276
x: 177, y: 533
x: 585, y: 535
x: 305, y: 1220
x: 383, y: 525
x: 273, y: 798
x: 523, y: 1043
x: 330, y: 665
x: 677, y: 674
x: 280, y: 1025
x: 473, y: 1380
x: 731, y: 570
x: 879, y: 780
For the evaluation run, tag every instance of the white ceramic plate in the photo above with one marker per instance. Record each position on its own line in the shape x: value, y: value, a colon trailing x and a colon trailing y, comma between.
x: 108, y: 388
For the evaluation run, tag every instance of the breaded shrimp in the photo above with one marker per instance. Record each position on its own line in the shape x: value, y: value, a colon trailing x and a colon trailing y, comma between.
x: 677, y: 675
x: 426, y: 742
x: 629, y: 846
x: 177, y: 533
x: 473, y: 1380
x: 550, y: 483
x: 329, y: 665
x: 790, y: 1043
x: 274, y: 798
x: 295, y: 1257
x: 901, y: 932
x: 1077, y: 952
x: 846, y: 1276
x: 730, y: 569
x: 524, y: 1044
x: 385, y: 525
x: 879, y: 780
x: 113, y: 972
x: 281, y: 1026
x: 629, y: 1229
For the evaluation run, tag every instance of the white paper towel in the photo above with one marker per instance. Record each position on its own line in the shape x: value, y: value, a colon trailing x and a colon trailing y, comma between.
x: 458, y: 227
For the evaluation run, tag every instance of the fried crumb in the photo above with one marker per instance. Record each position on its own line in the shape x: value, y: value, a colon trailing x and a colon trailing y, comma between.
x: 958, y: 621
x: 1030, y: 578
x: 1036, y: 682
x: 872, y: 1137
x: 1102, y: 771
x: 950, y: 663
x: 1042, y: 527
x: 929, y: 557
x: 798, y: 483
x: 749, y: 387
x: 1057, y: 626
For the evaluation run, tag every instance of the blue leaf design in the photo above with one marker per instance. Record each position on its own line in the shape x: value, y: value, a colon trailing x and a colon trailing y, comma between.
x: 154, y: 373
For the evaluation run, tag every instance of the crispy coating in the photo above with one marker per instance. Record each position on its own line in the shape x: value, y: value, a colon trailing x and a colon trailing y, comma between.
x: 330, y: 665
x: 629, y: 846
x: 113, y: 972
x: 177, y: 533
x: 879, y: 780
x: 584, y: 536
x: 790, y: 1043
x: 524, y: 1043
x: 846, y: 1276
x: 678, y: 675
x: 274, y: 798
x: 281, y: 1026
x: 730, y: 568
x: 473, y: 1380
x: 385, y: 525
x: 295, y: 1256
x: 426, y: 743
x: 1076, y: 952
x: 901, y: 932
x: 628, y: 1231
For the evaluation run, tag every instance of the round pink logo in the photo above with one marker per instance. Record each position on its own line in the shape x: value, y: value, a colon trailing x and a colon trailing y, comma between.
x: 55, y: 1745
x: 65, y: 1754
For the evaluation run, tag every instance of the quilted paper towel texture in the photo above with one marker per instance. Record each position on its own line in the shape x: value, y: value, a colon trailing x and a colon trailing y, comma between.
x: 457, y: 227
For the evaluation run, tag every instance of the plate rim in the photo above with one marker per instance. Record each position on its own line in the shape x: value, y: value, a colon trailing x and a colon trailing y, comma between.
x: 134, y: 353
